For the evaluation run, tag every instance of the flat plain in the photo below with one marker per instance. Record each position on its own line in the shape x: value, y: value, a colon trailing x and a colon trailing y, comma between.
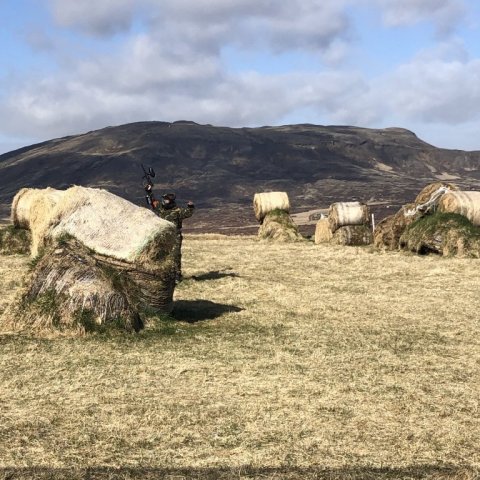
x: 278, y: 361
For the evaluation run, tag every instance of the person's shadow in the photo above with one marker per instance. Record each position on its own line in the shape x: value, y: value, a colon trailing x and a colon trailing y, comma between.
x: 214, y: 275
x: 192, y: 311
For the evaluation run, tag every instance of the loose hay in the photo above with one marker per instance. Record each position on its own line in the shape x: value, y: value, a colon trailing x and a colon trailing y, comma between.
x: 388, y: 232
x: 264, y: 203
x: 463, y: 203
x: 279, y: 226
x: 352, y: 235
x: 347, y: 213
x: 447, y: 234
x: 69, y: 291
x: 15, y: 241
x: 323, y: 234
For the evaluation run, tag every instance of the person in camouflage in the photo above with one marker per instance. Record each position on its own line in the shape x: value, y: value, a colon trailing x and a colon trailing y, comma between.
x: 169, y: 210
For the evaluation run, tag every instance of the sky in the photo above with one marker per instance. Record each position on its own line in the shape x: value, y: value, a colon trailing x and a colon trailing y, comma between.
x: 71, y: 66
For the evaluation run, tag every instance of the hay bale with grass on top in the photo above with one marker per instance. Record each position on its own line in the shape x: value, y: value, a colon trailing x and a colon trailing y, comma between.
x: 447, y: 234
x: 352, y: 235
x: 387, y: 232
x: 266, y: 202
x: 70, y: 292
x: 278, y: 226
x: 323, y: 234
x: 120, y: 235
x: 462, y: 202
x: 347, y: 213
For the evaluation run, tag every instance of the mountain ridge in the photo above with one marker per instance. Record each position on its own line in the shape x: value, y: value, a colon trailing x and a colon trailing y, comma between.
x: 220, y: 168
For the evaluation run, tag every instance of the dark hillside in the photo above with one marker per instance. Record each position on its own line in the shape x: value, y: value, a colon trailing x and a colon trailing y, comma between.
x: 221, y: 168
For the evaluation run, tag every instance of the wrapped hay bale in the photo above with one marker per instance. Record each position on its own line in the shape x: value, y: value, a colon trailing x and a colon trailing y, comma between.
x: 447, y: 234
x: 130, y: 241
x: 32, y: 209
x: 264, y: 203
x: 347, y: 213
x: 353, y: 235
x: 323, y: 234
x: 463, y: 203
x: 278, y: 225
x: 15, y: 240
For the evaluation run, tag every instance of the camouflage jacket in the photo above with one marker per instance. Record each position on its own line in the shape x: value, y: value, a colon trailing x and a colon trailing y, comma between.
x: 175, y: 215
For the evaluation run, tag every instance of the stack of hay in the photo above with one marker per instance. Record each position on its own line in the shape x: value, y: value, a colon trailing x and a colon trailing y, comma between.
x: 348, y: 223
x: 99, y: 258
x: 272, y: 211
x: 388, y: 232
x: 454, y: 229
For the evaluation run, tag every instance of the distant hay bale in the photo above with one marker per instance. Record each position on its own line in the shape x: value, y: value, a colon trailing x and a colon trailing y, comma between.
x: 353, y: 235
x: 427, y: 192
x: 264, y: 203
x: 119, y: 235
x: 15, y: 240
x: 462, y: 202
x: 323, y: 234
x: 447, y: 234
x: 278, y: 226
x: 347, y: 213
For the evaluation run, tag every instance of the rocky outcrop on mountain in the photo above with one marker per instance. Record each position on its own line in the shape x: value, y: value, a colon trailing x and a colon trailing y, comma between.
x: 221, y: 168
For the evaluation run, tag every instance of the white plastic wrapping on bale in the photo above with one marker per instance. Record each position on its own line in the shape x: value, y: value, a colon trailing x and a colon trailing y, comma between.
x: 463, y: 202
x: 342, y: 214
x: 104, y: 222
x: 110, y: 225
x: 266, y: 202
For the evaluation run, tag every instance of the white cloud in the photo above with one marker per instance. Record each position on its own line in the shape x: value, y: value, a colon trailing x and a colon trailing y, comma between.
x: 445, y: 14
x: 174, y: 69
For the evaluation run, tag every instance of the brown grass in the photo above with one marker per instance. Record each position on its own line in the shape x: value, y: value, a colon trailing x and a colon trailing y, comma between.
x: 286, y: 361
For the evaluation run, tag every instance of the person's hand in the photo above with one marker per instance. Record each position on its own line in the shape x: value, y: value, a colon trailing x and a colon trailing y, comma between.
x: 190, y: 204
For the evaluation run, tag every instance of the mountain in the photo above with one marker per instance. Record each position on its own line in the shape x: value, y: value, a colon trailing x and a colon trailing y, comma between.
x: 221, y: 168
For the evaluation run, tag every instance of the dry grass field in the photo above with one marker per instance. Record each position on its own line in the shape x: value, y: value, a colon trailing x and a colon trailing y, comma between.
x: 283, y: 361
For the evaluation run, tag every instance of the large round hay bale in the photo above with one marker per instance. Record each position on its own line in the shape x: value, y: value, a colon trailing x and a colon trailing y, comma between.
x: 462, y: 202
x: 279, y: 226
x: 352, y: 235
x: 323, y: 234
x: 347, y: 213
x: 266, y: 202
x: 119, y: 234
x: 430, y: 190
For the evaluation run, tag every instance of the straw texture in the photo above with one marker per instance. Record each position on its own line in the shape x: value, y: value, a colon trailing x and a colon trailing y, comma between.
x: 462, y: 202
x: 266, y: 202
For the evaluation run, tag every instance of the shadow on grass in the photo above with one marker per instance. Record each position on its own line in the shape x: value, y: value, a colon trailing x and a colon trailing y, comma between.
x: 214, y: 275
x: 427, y: 472
x: 192, y: 311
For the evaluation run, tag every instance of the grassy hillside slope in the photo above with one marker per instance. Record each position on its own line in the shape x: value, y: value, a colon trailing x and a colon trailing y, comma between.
x: 283, y: 360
